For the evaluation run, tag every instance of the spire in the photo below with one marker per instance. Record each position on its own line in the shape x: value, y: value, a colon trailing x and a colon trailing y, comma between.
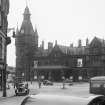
x: 26, y: 27
x: 36, y: 32
x: 17, y: 30
x: 26, y: 3
x: 26, y: 13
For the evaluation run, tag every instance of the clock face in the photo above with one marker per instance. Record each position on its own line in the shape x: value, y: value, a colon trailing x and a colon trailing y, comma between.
x: 22, y: 31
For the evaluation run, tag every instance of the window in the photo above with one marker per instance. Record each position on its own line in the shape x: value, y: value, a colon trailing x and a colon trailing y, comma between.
x: 79, y: 62
x: 95, y: 85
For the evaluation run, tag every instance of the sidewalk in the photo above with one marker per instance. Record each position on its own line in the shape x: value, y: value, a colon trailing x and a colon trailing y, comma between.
x: 14, y: 100
x: 10, y: 99
x: 9, y: 92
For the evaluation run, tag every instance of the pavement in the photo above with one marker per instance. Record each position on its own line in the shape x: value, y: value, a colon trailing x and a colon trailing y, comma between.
x: 11, y: 99
x: 75, y: 90
x: 19, y: 100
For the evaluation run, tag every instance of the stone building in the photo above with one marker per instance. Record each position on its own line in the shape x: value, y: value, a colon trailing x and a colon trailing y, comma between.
x: 4, y: 39
x: 58, y: 61
x: 26, y: 41
x: 77, y: 63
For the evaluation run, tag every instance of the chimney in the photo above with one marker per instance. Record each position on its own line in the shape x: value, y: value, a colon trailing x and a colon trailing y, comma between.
x: 50, y: 46
x: 71, y: 45
x: 43, y: 45
x: 55, y: 42
x: 79, y: 43
x: 87, y: 42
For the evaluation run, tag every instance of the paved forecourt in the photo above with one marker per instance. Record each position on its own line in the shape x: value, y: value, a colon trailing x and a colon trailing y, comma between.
x: 77, y: 89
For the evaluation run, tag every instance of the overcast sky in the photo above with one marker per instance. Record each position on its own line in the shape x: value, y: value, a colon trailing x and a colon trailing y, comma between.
x: 63, y: 20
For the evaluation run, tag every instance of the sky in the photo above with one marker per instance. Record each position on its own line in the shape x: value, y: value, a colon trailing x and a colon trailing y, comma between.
x: 66, y: 21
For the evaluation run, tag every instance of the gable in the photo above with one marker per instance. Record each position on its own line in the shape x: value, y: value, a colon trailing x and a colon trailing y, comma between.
x: 95, y: 43
x: 56, y: 52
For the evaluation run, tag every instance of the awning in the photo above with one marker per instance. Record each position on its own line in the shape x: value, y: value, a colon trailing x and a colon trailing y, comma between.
x: 52, y: 67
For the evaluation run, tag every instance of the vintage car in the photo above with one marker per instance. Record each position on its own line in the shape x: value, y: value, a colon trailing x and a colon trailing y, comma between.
x: 52, y: 99
x: 97, y: 85
x: 47, y: 82
x: 68, y: 81
x: 22, y: 89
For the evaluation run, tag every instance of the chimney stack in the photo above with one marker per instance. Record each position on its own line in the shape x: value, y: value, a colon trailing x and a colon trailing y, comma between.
x: 50, y: 46
x: 43, y: 45
x: 71, y: 45
x: 79, y: 43
x: 87, y: 42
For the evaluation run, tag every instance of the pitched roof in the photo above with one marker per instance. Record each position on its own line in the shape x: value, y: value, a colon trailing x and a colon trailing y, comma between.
x: 96, y: 39
x: 26, y: 26
x: 26, y: 11
x: 64, y: 49
x: 72, y: 50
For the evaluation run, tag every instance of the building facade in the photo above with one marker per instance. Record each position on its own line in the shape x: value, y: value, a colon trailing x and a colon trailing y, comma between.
x: 4, y: 40
x: 77, y: 63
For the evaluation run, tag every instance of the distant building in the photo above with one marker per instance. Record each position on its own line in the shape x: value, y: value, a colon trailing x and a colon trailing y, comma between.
x: 58, y: 61
x: 72, y: 62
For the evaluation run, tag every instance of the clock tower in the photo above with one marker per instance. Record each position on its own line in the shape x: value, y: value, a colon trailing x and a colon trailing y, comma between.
x: 26, y: 41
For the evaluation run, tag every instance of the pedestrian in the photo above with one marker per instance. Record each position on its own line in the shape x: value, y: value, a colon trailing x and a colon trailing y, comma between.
x: 39, y: 84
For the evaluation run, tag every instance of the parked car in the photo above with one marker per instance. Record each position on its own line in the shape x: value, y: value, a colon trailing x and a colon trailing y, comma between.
x: 22, y: 89
x: 97, y: 85
x: 47, y: 82
x: 69, y: 81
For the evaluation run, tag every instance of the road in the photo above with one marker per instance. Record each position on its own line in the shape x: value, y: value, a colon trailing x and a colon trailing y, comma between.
x: 78, y: 90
